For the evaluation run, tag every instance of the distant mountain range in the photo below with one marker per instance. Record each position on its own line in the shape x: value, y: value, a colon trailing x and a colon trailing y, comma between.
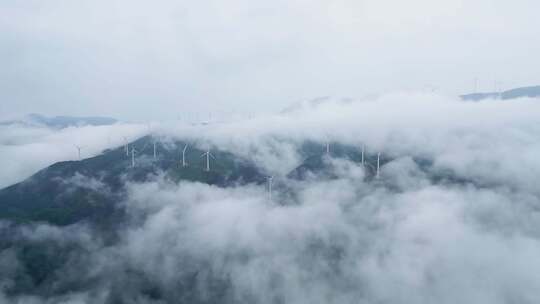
x: 90, y: 189
x: 523, y: 92
x: 70, y: 191
x: 531, y: 92
x: 60, y: 122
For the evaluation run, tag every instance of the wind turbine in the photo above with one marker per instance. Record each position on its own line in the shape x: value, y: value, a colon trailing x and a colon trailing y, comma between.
x: 208, y: 155
x: 126, y: 146
x: 328, y: 149
x: 155, y: 155
x: 133, y: 151
x: 363, y: 148
x: 184, y: 164
x: 378, y: 165
x: 270, y: 181
x: 79, y: 150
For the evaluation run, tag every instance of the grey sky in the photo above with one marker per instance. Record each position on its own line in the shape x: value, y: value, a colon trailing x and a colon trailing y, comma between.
x: 140, y: 59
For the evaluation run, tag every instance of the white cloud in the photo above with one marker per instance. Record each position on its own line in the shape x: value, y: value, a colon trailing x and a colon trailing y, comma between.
x: 26, y: 150
x: 140, y: 60
x: 404, y: 238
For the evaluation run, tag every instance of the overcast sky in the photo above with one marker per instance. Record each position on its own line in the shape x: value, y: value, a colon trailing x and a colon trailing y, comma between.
x: 147, y: 60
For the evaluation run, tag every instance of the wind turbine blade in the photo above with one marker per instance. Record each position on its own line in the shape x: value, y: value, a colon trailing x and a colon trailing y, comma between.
x: 211, y: 155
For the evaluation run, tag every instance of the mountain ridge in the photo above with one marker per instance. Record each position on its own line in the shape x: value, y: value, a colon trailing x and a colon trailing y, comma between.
x: 61, y: 122
x: 521, y: 92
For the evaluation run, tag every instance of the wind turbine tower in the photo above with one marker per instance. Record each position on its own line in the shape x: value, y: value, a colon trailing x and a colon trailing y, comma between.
x: 184, y: 164
x: 270, y: 181
x: 378, y: 165
x: 133, y: 157
x: 208, y: 155
x: 155, y: 155
x: 328, y: 149
x: 363, y: 148
x: 79, y: 151
x: 126, y: 146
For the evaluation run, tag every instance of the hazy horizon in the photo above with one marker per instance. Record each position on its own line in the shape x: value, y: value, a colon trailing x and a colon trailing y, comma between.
x: 136, y: 60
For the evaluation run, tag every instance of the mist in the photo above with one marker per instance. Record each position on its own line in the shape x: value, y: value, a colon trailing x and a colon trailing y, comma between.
x: 346, y: 239
x: 345, y: 151
x: 24, y: 150
x: 133, y: 60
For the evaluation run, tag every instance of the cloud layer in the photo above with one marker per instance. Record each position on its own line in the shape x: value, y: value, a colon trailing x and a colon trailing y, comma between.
x: 406, y: 238
x: 135, y: 60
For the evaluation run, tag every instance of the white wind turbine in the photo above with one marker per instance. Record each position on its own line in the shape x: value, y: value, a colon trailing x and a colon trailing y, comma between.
x: 328, y: 149
x: 126, y: 146
x: 149, y: 126
x: 133, y: 151
x: 184, y: 164
x: 270, y: 181
x: 378, y: 165
x: 79, y: 150
x: 363, y: 149
x: 208, y: 155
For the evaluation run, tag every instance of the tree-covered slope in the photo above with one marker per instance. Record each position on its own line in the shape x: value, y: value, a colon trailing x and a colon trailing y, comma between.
x: 70, y: 191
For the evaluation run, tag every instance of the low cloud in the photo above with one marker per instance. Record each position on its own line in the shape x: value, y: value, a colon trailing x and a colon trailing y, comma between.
x: 345, y: 241
x: 339, y: 238
x: 24, y: 150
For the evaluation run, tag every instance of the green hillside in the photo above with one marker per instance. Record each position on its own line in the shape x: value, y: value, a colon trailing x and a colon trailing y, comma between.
x: 90, y: 189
